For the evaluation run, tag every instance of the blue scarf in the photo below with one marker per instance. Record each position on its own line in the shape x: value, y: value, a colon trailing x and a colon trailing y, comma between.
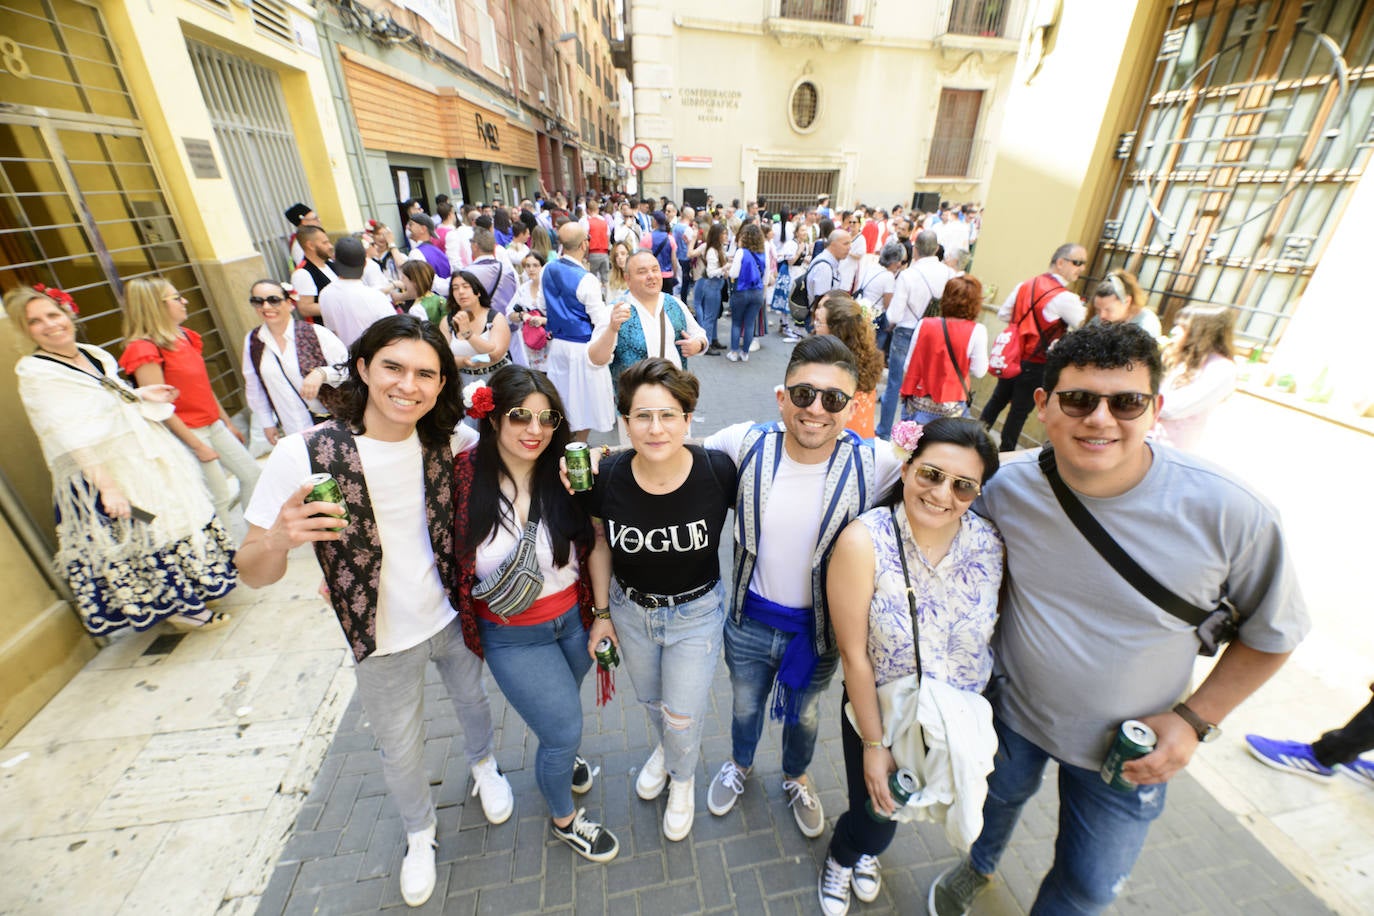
x: 799, y: 659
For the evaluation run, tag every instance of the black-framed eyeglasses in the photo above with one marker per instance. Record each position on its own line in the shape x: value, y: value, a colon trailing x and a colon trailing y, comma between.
x: 965, y: 490
x: 832, y: 399
x: 548, y: 417
x: 1124, y: 405
x: 1075, y: 262
x: 258, y: 302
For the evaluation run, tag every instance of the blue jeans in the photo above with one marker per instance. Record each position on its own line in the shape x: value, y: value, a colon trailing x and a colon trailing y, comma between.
x: 685, y: 291
x: 392, y: 691
x: 745, y: 305
x: 540, y: 668
x: 708, y: 290
x: 670, y: 654
x: 892, y: 394
x: 1101, y: 830
x: 753, y: 652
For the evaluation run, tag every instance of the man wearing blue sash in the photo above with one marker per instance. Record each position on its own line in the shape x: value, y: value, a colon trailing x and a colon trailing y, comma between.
x: 800, y: 482
x: 577, y: 315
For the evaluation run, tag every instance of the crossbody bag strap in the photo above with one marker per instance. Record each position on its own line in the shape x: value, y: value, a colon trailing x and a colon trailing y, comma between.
x: 1113, y: 552
x: 949, y: 345
x: 910, y: 594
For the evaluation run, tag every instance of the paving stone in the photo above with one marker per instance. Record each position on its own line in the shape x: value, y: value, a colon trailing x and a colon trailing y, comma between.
x: 510, y: 899
x: 340, y: 802
x: 315, y: 844
x: 324, y: 872
x: 359, y: 897
x: 361, y: 821
x: 278, y: 890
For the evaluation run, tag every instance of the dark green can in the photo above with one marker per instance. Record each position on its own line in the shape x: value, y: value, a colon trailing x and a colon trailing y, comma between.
x: 1133, y: 739
x: 325, y: 489
x: 902, y: 785
x: 606, y: 655
x: 579, y: 461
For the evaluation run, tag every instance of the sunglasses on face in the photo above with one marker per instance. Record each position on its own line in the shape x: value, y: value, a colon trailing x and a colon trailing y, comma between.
x: 1124, y: 405
x: 832, y: 399
x: 965, y: 490
x: 1075, y: 262
x: 258, y: 302
x: 548, y: 417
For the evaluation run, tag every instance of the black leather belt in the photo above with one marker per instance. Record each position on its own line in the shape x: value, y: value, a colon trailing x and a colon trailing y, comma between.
x: 644, y: 599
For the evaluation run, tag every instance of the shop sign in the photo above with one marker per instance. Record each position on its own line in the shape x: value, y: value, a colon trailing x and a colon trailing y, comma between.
x: 694, y: 162
x: 712, y: 105
x: 491, y: 137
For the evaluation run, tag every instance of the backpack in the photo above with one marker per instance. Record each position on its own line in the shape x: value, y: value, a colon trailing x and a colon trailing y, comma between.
x: 799, y: 302
x: 1015, y: 343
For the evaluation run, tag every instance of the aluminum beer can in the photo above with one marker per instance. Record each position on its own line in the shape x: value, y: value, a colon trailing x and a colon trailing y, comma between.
x: 902, y: 785
x: 579, y: 460
x: 606, y: 654
x: 325, y: 489
x: 1133, y: 739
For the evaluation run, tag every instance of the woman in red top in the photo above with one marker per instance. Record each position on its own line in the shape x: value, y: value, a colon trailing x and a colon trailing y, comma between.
x: 159, y: 350
x: 946, y: 354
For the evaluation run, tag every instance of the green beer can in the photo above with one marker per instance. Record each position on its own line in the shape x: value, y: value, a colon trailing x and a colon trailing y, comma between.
x: 325, y: 489
x: 1133, y: 739
x: 579, y: 461
x: 606, y: 655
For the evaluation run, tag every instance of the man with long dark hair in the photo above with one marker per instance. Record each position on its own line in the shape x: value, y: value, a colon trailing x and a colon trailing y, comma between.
x: 391, y: 565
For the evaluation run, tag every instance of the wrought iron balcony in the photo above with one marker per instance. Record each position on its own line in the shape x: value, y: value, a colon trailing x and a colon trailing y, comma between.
x: 821, y: 20
x: 980, y: 24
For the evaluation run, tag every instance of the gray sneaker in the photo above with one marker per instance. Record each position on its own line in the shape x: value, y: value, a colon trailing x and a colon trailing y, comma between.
x: 953, y: 892
x: 806, y: 807
x: 725, y: 789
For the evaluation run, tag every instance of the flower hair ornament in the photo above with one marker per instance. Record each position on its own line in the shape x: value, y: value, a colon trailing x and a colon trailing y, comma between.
x: 478, y: 400
x: 290, y: 292
x: 905, y: 436
x: 57, y: 295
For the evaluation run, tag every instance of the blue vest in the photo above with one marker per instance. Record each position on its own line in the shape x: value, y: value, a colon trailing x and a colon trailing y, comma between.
x: 630, y: 347
x: 567, y: 317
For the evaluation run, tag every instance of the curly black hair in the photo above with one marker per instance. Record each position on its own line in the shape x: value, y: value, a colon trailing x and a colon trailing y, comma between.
x: 1105, y: 346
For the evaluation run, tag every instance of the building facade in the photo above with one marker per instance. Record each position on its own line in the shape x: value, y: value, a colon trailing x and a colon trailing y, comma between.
x: 789, y: 99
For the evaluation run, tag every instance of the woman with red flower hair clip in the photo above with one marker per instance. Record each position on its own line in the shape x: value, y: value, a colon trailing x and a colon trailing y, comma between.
x: 538, y: 647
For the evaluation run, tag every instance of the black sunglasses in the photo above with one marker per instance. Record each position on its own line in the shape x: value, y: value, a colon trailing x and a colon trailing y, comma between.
x: 804, y: 395
x: 258, y: 302
x: 548, y: 417
x: 1124, y: 405
x: 1075, y: 262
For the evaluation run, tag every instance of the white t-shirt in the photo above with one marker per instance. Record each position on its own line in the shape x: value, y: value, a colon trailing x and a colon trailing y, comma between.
x: 502, y: 542
x: 349, y: 307
x: 649, y: 324
x: 792, y: 518
x: 875, y: 283
x: 411, y: 603
x: 304, y: 281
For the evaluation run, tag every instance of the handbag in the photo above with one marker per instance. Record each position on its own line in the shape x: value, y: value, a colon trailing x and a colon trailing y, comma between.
x: 536, y: 338
x: 511, y: 588
x: 1214, y: 628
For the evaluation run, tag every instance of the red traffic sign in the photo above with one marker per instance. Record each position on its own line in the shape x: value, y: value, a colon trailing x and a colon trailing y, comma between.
x: 641, y: 157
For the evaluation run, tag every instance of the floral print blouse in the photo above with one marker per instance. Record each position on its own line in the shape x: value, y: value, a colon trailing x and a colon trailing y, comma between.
x: 956, y: 602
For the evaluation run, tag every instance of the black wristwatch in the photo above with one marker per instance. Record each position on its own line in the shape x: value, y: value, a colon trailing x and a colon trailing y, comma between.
x: 1206, y: 731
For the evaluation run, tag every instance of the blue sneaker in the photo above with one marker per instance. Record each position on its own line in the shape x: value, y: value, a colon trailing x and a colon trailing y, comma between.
x: 1289, y: 756
x: 1361, y: 769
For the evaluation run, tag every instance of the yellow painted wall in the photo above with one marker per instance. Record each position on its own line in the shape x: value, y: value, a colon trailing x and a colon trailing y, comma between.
x: 151, y: 37
x: 1054, y: 168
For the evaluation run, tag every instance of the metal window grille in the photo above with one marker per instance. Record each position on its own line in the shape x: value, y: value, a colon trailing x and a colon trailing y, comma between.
x: 248, y: 114
x: 814, y: 10
x: 795, y: 189
x: 978, y: 17
x: 1250, y: 138
x: 804, y: 102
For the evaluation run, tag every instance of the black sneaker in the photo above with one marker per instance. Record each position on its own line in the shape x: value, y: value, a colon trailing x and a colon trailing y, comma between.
x: 582, y: 776
x: 587, y: 838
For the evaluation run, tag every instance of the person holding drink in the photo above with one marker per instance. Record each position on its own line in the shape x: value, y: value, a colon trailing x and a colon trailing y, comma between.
x: 663, y: 504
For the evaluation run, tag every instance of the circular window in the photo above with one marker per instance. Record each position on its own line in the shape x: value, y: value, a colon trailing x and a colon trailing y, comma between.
x: 805, y: 101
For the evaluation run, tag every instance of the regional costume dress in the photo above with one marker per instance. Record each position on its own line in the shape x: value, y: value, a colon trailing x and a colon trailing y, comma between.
x: 123, y: 573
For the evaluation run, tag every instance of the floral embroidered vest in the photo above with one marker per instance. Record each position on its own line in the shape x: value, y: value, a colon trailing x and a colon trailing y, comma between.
x: 353, y: 566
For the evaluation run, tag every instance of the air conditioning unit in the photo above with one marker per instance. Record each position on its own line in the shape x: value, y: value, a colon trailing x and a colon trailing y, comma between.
x: 543, y: 99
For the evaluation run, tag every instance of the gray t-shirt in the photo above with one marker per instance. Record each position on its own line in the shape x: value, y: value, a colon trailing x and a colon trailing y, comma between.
x: 1081, y: 649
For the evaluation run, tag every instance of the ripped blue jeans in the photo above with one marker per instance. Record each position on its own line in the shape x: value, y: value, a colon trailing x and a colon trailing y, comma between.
x: 1101, y: 830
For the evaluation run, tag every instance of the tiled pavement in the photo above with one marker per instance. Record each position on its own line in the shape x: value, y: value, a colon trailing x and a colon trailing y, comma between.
x: 344, y: 854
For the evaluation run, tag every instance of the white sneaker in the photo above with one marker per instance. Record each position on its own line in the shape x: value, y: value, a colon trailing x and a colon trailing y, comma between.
x: 652, y: 776
x: 806, y: 807
x: 732, y: 356
x: 832, y: 888
x: 417, y: 868
x: 867, y: 878
x: 490, y: 785
x: 755, y: 346
x: 681, y: 810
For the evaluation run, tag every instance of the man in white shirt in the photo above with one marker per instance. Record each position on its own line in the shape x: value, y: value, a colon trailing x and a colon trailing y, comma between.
x: 390, y: 566
x: 628, y: 229
x: 1044, y: 307
x: 800, y: 471
x: 651, y: 328
x: 578, y: 318
x: 952, y: 232
x: 858, y: 247
x: 923, y: 281
x: 458, y: 241
x: 348, y: 305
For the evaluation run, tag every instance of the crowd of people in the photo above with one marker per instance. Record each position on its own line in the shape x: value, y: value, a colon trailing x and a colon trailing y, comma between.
x: 877, y: 527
